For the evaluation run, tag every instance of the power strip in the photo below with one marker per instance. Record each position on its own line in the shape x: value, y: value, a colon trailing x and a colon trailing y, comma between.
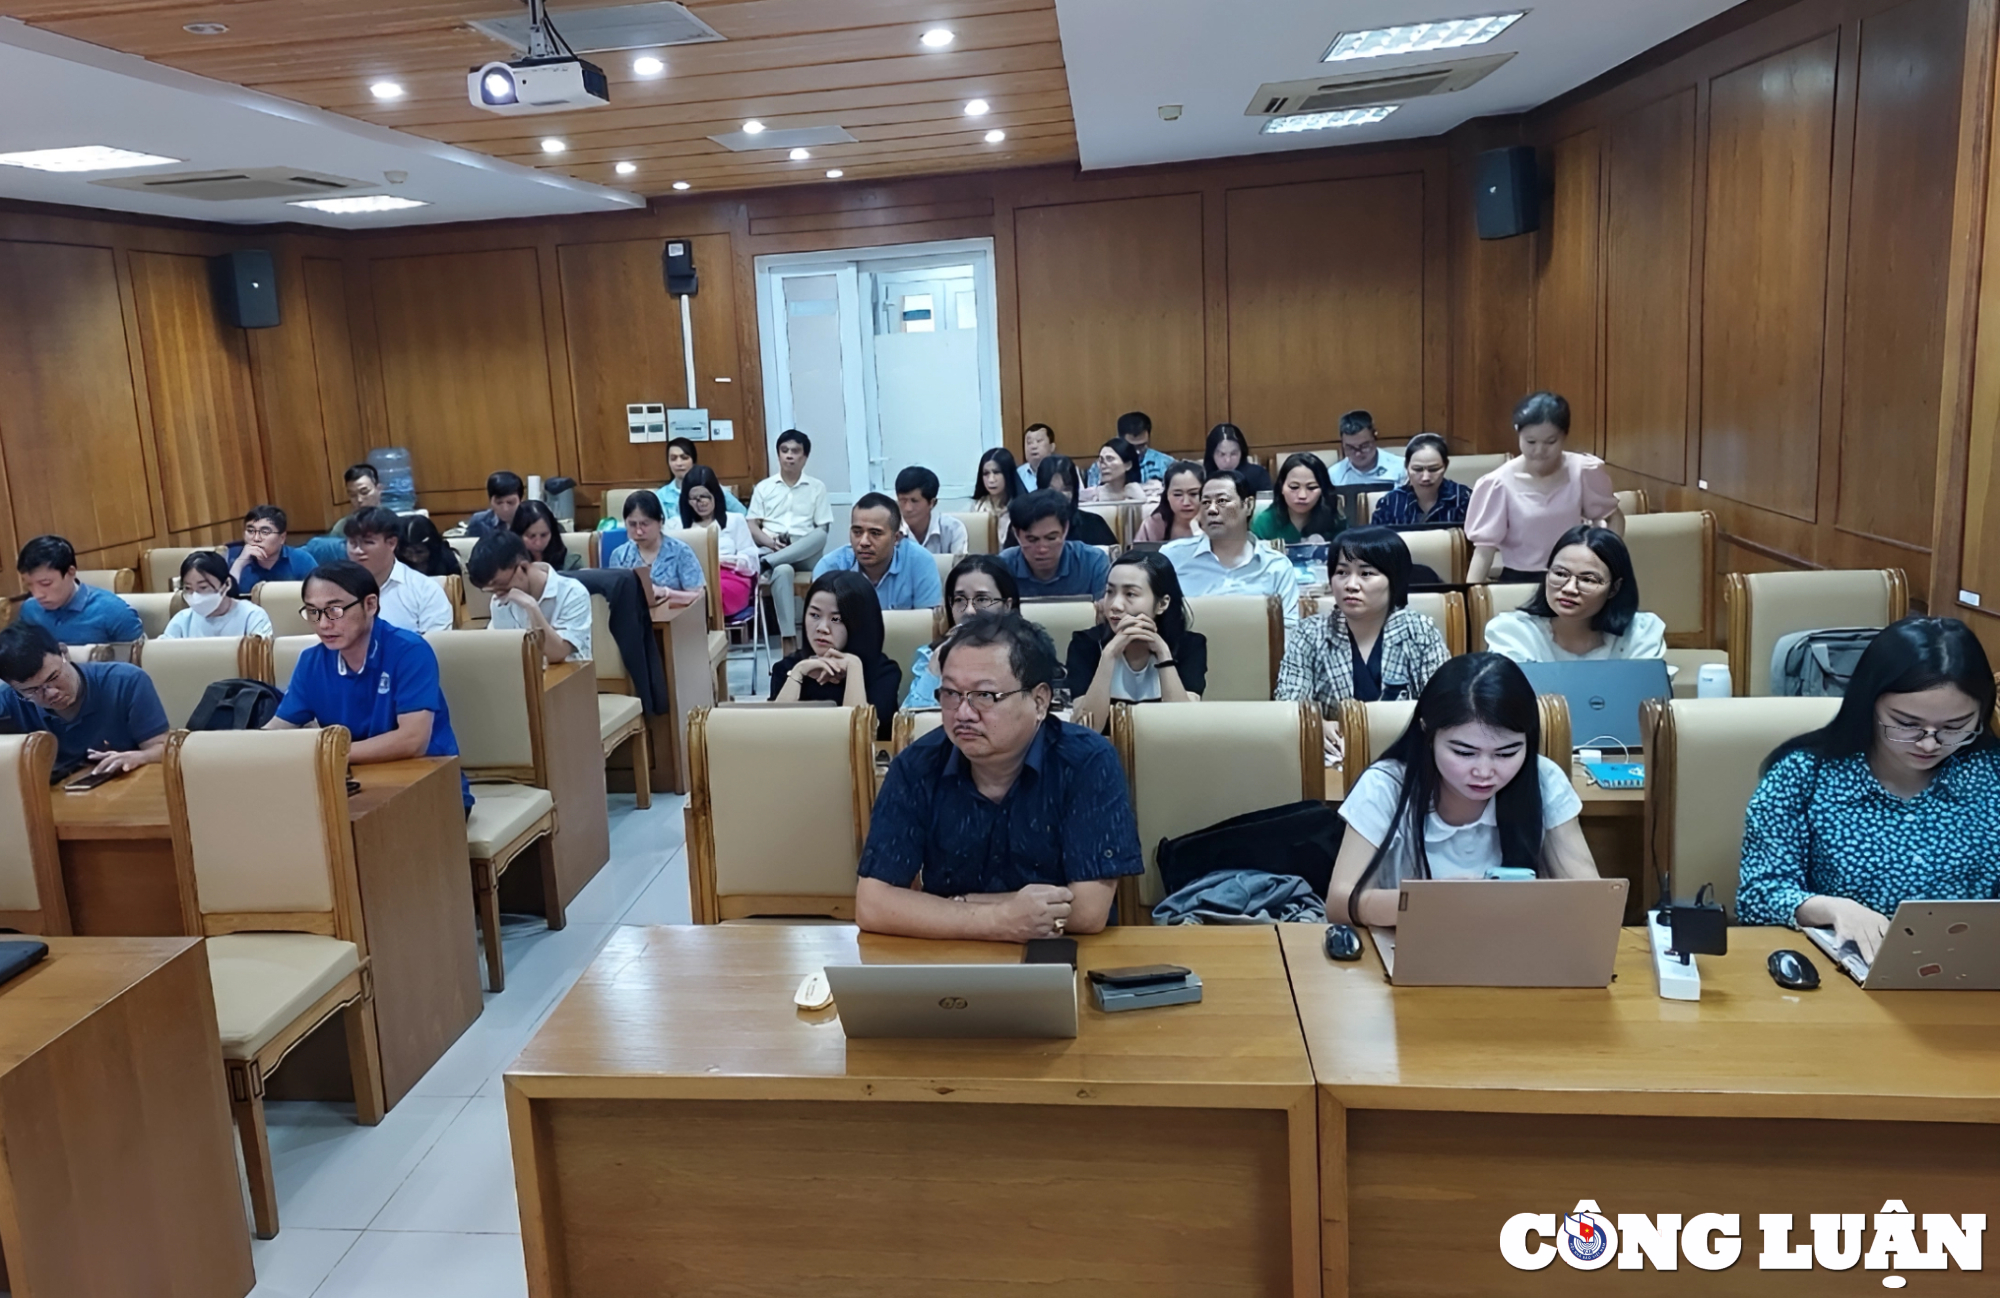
x: 1677, y: 981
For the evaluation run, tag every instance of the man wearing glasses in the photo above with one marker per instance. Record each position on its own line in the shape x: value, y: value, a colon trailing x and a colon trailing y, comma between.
x: 264, y: 556
x: 104, y: 715
x: 367, y: 674
x: 407, y: 598
x: 1020, y: 825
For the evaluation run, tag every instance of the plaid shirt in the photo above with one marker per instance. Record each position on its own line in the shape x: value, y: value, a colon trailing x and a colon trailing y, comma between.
x: 1399, y: 507
x: 1319, y: 657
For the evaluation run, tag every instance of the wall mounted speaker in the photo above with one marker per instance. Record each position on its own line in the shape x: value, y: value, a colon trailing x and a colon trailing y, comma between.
x: 1508, y: 194
x: 677, y: 262
x: 246, y: 288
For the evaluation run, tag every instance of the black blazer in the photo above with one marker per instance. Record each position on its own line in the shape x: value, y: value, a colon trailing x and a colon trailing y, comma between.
x: 883, y: 679
x: 1088, y: 528
x: 1086, y: 650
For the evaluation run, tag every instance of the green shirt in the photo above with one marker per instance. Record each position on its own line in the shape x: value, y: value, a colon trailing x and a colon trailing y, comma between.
x: 1274, y: 523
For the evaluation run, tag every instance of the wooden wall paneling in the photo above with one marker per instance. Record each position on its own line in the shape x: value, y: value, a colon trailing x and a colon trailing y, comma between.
x: 1215, y: 321
x: 343, y: 442
x: 1326, y: 307
x: 1649, y: 244
x: 1978, y: 578
x: 1492, y: 315
x: 289, y: 411
x: 1006, y: 316
x: 1568, y: 298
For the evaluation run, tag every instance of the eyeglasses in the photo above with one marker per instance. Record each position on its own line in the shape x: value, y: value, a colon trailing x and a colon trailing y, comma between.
x: 982, y: 701
x: 331, y: 613
x: 43, y: 690
x: 1911, y: 736
x: 261, y: 533
x: 983, y: 603
x: 1585, y: 581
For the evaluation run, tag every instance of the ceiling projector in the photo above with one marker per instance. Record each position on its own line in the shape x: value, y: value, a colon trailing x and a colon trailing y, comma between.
x: 537, y: 85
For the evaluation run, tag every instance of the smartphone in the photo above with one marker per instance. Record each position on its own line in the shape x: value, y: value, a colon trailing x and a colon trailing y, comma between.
x: 90, y: 780
x: 1145, y: 975
x: 1050, y: 950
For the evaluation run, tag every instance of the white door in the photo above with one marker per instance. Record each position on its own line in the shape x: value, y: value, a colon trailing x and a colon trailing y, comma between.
x: 813, y: 373
x: 928, y: 397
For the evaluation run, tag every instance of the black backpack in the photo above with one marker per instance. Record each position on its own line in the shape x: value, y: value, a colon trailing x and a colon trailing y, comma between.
x: 236, y: 705
x: 1300, y: 838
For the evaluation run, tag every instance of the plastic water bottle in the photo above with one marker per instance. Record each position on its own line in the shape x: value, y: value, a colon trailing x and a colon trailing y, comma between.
x: 399, y: 486
x: 1712, y: 682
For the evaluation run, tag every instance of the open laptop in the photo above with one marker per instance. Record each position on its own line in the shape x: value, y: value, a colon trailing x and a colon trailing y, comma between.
x: 1930, y: 946
x: 1504, y: 933
x: 955, y: 1000
x: 1604, y: 698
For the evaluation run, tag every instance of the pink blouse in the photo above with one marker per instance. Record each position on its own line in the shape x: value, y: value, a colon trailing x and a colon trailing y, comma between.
x: 1155, y: 529
x: 1523, y: 520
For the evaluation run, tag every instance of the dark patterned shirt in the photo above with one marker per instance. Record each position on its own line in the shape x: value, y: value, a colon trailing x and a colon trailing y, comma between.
x: 1398, y: 506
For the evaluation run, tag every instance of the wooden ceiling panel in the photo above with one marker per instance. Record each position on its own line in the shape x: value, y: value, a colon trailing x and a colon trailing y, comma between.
x: 789, y: 63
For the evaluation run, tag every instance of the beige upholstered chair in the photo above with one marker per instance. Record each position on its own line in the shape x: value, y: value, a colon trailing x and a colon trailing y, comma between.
x: 614, y: 501
x: 1443, y: 550
x: 281, y: 601
x: 453, y: 587
x: 1673, y: 558
x: 904, y: 632
x: 270, y: 882
x: 1764, y: 606
x: 478, y: 611
x: 981, y: 530
x: 702, y: 540
x: 1469, y: 469
x: 906, y: 728
x: 1633, y: 503
x: 115, y: 580
x: 161, y: 567
x: 1702, y: 760
x: 1123, y: 518
x: 1062, y: 618
x: 1246, y: 641
x: 182, y: 670
x: 581, y: 543
x: 1367, y: 730
x: 945, y: 563
x: 1447, y: 610
x: 285, y: 651
x: 1485, y: 601
x: 155, y: 609
x: 746, y: 862
x: 32, y: 899
x: 493, y: 685
x: 621, y: 718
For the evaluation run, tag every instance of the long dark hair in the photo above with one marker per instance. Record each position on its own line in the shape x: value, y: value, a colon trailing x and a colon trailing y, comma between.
x: 1217, y: 436
x: 860, y: 610
x: 1164, y: 582
x: 1917, y: 653
x: 1164, y: 511
x: 1483, y: 689
x: 440, y: 560
x: 1124, y: 450
x: 1325, y: 517
x: 531, y: 512
x: 702, y: 476
x: 1053, y: 466
x: 1615, y: 618
x: 1010, y: 474
x: 1003, y: 579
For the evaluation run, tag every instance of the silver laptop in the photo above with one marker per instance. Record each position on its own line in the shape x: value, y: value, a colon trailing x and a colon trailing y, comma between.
x: 1604, y: 697
x: 955, y: 1000
x: 1930, y: 946
x: 1504, y: 933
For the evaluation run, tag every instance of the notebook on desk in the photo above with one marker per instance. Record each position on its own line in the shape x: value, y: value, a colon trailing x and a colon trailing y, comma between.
x: 1504, y: 933
x: 1930, y: 946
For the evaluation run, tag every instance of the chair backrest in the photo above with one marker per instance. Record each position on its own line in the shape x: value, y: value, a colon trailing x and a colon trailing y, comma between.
x: 1469, y: 469
x: 1673, y: 558
x: 1367, y: 730
x: 1447, y: 609
x: 493, y: 685
x: 1190, y: 767
x: 285, y: 651
x: 1633, y: 503
x: 453, y: 586
x: 1246, y: 641
x: 614, y: 501
x: 904, y: 631
x: 1763, y: 606
x: 478, y: 604
x: 281, y: 601
x: 578, y: 543
x: 703, y: 541
x: 1443, y: 550
x: 182, y: 670
x: 1061, y: 618
x: 161, y: 567
x: 31, y: 884
x: 1488, y: 600
x: 115, y: 580
x: 778, y: 806
x: 982, y: 530
x: 613, y: 677
x: 155, y: 609
x: 906, y: 728
x: 281, y: 860
x: 1116, y: 515
x: 1364, y: 511
x: 1702, y: 760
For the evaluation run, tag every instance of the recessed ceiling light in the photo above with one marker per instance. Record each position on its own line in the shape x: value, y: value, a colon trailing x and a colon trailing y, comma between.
x: 800, y: 155
x: 682, y: 184
x: 553, y: 145
x: 88, y: 157
x: 205, y: 29
x: 386, y: 90
x: 753, y: 127
x: 978, y: 108
x: 1327, y: 121
x: 835, y: 174
x: 938, y: 37
x: 1417, y: 38
x: 994, y: 137
x: 359, y: 203
x: 648, y: 66
x: 627, y: 168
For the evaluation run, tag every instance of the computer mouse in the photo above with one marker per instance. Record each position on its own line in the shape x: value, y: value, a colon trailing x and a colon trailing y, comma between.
x: 1342, y: 942
x: 1792, y: 970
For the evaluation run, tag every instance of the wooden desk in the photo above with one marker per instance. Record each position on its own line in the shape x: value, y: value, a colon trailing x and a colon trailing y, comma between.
x: 582, y: 841
x: 1445, y: 1110
x: 416, y: 898
x: 683, y: 636
x: 117, y: 1159
x: 677, y: 1116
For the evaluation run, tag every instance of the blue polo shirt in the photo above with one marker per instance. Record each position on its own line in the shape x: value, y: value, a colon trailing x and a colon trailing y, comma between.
x: 92, y: 616
x: 400, y: 675
x: 1068, y: 818
x: 911, y: 582
x: 293, y: 564
x: 119, y: 711
x: 1082, y: 570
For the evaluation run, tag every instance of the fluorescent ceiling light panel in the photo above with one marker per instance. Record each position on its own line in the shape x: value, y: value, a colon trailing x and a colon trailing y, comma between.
x: 1419, y: 38
x: 88, y: 157
x: 359, y: 203
x: 1327, y: 121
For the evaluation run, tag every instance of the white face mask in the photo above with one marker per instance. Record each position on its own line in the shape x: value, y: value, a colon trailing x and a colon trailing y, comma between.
x: 204, y: 602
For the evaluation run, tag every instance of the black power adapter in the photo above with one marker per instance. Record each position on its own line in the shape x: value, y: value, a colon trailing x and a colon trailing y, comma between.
x: 1699, y: 928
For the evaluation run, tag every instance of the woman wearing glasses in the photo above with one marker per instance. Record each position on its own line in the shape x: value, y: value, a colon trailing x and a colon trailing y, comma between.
x: 1898, y: 798
x: 842, y: 660
x: 1587, y: 607
x: 978, y: 583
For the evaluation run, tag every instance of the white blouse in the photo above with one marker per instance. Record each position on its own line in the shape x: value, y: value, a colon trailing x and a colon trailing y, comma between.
x: 1529, y: 639
x: 1454, y: 851
x: 240, y: 619
x: 732, y: 541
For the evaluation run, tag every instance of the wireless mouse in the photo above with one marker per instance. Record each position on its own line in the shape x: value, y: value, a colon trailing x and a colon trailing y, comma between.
x: 1342, y: 942
x: 1792, y: 970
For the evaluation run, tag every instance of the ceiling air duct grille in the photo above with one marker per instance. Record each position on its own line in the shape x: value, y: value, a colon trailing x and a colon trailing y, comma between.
x: 1326, y: 94
x: 227, y: 186
x: 594, y: 31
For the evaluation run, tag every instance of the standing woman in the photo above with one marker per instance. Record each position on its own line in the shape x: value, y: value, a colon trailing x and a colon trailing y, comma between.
x: 1117, y: 475
x: 673, y: 573
x: 978, y: 583
x: 1896, y: 799
x: 1179, y: 510
x: 841, y: 661
x: 1520, y: 509
x: 215, y: 606
x: 1141, y: 650
x: 1588, y: 607
x: 1058, y: 473
x: 1427, y: 495
x: 541, y: 531
x: 995, y: 484
x: 1305, y: 509
x: 735, y: 552
x: 1229, y: 452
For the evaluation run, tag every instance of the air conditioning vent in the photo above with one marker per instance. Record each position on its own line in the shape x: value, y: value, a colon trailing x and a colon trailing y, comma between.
x: 228, y: 186
x: 593, y: 31
x: 801, y: 137
x: 1326, y: 94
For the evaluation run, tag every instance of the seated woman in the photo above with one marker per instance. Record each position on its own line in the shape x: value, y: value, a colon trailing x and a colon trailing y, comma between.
x: 1117, y: 476
x: 977, y: 583
x: 842, y: 660
x: 682, y: 455
x: 1427, y: 496
x: 1058, y: 473
x: 1141, y: 650
x: 995, y: 484
x: 1305, y: 508
x: 214, y: 606
x: 1464, y: 794
x: 736, y: 554
x: 421, y: 546
x: 1228, y: 451
x: 672, y: 572
x: 1179, y: 511
x: 541, y: 531
x: 1896, y: 799
x: 1587, y: 607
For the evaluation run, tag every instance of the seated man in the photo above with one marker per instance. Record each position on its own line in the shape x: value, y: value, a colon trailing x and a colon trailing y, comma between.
x: 530, y: 596
x: 503, y: 497
x: 1135, y: 427
x: 1020, y: 824
x: 903, y: 573
x: 916, y: 496
x: 62, y: 605
x: 1043, y: 559
x: 364, y: 491
x: 263, y: 555
x: 107, y: 715
x: 375, y: 678
x: 406, y: 597
x: 1225, y: 559
x: 1361, y: 462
